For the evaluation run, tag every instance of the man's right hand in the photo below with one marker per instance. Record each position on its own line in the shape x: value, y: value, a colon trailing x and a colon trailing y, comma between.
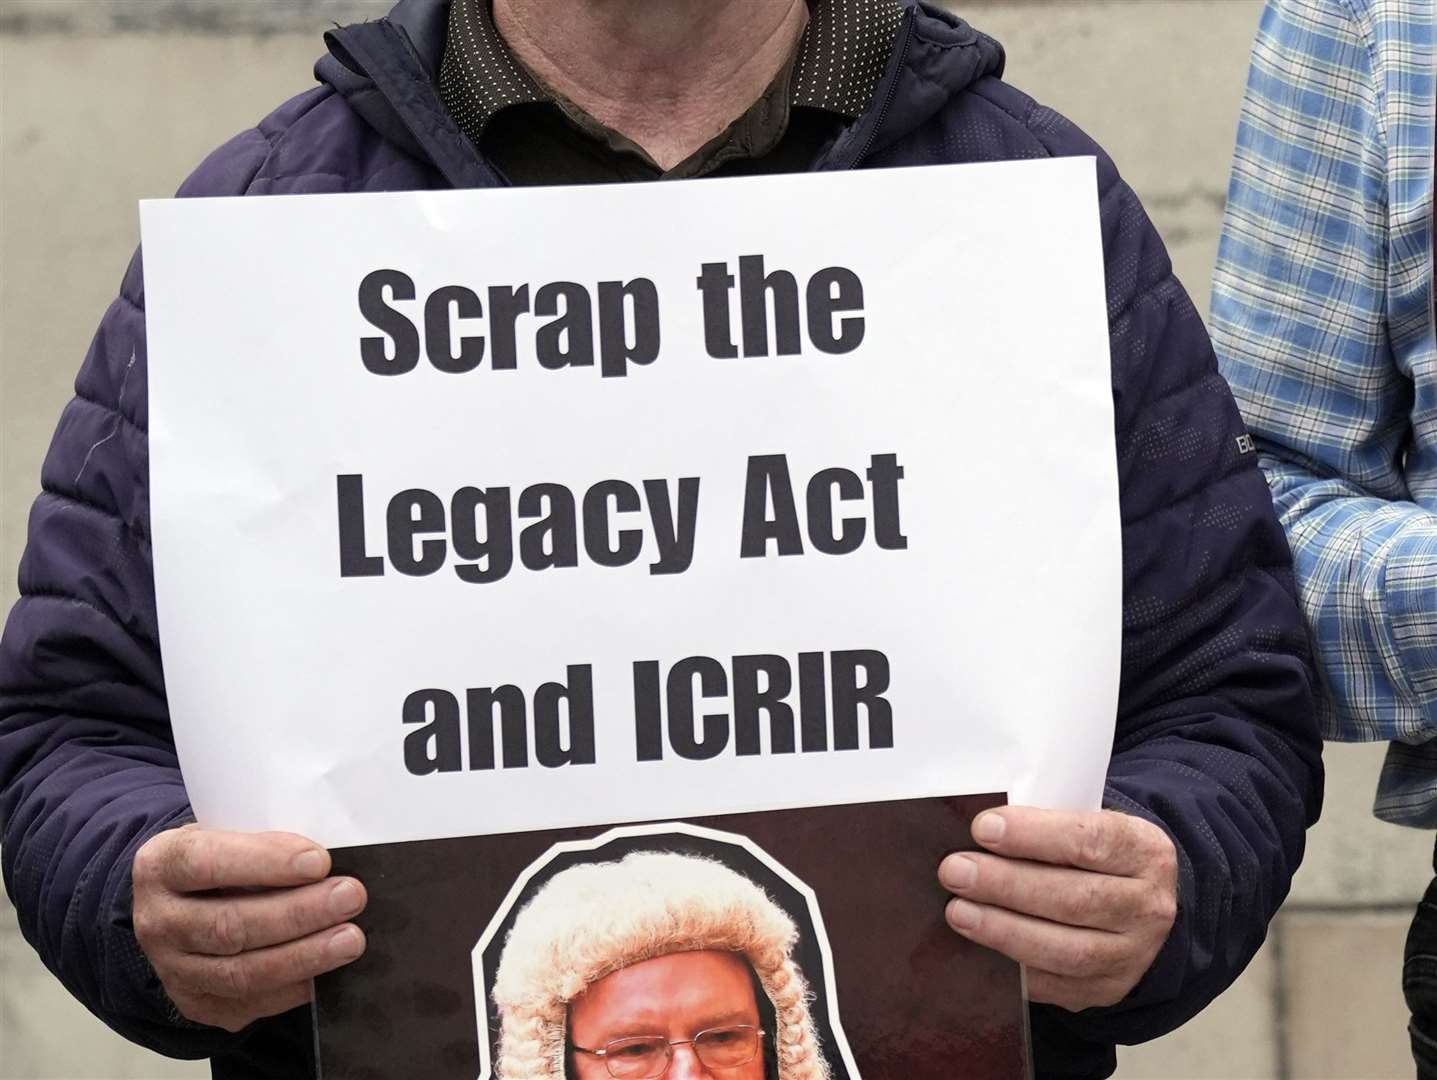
x: 237, y: 924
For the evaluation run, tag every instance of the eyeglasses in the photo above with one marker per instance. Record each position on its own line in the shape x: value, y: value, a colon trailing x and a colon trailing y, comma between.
x: 644, y: 1057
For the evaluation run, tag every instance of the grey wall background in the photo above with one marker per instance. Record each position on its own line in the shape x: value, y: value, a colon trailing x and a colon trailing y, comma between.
x: 103, y: 102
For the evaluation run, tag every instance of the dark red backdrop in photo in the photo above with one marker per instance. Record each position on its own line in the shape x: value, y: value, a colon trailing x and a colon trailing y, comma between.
x: 916, y: 1001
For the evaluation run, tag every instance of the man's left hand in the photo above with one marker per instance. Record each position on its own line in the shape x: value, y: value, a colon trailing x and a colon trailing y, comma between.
x: 1084, y: 899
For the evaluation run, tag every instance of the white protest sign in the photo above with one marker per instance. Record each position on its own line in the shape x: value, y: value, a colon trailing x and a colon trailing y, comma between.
x: 476, y: 512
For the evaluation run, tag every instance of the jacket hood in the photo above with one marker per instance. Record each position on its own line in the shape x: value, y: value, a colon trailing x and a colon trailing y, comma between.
x: 387, y: 70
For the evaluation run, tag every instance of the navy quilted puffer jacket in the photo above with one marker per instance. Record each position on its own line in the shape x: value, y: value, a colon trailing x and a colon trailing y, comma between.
x: 1215, y: 735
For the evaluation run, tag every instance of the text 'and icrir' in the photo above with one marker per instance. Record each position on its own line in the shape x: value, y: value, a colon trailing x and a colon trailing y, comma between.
x: 812, y: 705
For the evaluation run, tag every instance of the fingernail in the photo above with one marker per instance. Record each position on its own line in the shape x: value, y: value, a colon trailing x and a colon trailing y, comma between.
x: 988, y: 827
x: 346, y: 944
x: 963, y: 914
x: 959, y: 872
x: 345, y: 899
x: 309, y: 863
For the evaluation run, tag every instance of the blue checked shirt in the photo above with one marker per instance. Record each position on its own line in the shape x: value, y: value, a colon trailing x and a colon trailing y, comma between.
x: 1323, y: 321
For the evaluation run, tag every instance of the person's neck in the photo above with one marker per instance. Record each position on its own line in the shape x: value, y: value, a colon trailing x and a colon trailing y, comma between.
x: 669, y: 74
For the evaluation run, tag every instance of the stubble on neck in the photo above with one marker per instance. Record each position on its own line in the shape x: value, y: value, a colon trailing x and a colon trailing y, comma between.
x: 669, y: 74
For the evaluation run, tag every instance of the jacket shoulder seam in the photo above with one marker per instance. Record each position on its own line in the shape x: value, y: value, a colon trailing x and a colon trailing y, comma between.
x: 1025, y: 122
x: 978, y: 90
x: 276, y: 138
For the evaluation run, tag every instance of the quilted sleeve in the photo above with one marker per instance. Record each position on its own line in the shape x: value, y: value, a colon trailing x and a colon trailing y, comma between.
x: 87, y: 764
x: 1314, y: 299
x: 1216, y: 740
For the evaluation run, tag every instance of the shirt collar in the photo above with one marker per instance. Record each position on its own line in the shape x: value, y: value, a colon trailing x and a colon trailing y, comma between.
x: 840, y: 60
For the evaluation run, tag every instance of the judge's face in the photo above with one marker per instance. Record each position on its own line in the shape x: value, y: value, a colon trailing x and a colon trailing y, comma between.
x: 666, y: 1002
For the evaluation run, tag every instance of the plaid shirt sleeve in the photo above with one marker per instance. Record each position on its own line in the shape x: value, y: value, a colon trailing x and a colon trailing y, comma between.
x: 1321, y: 317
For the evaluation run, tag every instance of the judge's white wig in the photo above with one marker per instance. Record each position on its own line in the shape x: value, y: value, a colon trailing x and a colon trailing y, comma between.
x: 593, y: 919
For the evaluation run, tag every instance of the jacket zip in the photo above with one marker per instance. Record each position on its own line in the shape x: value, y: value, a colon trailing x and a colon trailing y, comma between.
x: 892, y: 89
